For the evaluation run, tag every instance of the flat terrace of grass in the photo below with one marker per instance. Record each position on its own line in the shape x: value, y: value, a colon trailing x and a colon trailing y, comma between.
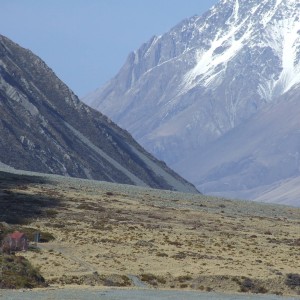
x: 104, y: 233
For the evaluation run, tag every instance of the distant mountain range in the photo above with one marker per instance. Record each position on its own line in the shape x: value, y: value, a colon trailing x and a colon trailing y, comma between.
x: 217, y: 98
x: 44, y: 127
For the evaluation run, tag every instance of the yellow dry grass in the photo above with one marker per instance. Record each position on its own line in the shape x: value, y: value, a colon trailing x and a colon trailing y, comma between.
x: 179, y: 241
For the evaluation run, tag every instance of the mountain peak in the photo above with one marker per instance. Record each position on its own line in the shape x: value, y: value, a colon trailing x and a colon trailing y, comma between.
x: 208, y: 75
x: 271, y: 24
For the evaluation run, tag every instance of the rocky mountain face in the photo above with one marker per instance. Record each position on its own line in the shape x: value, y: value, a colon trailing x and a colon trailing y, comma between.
x: 204, y: 81
x: 44, y: 127
x: 257, y: 157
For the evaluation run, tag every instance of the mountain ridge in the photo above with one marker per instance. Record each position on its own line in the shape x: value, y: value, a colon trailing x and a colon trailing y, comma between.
x: 206, y: 76
x: 48, y: 129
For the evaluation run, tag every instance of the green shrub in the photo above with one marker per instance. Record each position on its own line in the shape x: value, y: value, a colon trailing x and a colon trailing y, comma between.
x: 184, y: 278
x: 152, y: 279
x: 252, y: 286
x: 17, y: 272
x: 51, y: 213
x: 293, y: 280
x: 162, y: 254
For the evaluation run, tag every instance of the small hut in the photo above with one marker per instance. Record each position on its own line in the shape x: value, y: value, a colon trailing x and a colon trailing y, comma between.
x: 16, y: 241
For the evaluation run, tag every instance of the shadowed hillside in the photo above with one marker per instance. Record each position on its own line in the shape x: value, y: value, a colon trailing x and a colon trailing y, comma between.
x: 17, y: 207
x: 48, y: 129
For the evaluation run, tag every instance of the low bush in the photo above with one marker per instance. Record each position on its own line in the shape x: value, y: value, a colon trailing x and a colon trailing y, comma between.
x: 16, y: 272
x: 293, y: 280
x: 152, y: 279
x: 184, y: 278
x: 252, y: 286
x: 93, y: 280
x: 162, y: 254
x: 51, y: 213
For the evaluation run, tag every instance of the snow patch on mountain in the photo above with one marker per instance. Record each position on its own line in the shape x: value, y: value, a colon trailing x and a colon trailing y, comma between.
x: 236, y: 10
x: 283, y: 37
x: 205, y: 77
x: 212, y: 63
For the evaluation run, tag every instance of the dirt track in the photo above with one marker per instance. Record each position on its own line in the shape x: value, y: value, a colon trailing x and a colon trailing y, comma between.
x: 96, y: 294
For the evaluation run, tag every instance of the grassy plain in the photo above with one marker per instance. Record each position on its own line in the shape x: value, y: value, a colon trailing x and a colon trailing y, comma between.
x: 105, y: 234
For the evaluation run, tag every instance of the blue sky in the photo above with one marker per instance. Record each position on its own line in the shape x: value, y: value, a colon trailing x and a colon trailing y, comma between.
x: 86, y: 42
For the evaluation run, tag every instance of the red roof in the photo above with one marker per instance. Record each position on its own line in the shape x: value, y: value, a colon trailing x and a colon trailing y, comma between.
x: 17, y: 235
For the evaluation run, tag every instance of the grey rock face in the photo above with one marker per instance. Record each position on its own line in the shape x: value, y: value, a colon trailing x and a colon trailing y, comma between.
x: 253, y: 158
x: 207, y: 76
x: 45, y: 128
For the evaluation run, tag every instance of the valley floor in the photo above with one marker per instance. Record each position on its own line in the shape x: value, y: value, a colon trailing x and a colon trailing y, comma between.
x: 113, y: 235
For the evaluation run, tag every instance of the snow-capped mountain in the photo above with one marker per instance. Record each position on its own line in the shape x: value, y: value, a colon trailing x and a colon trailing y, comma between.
x: 45, y: 128
x: 207, y: 76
